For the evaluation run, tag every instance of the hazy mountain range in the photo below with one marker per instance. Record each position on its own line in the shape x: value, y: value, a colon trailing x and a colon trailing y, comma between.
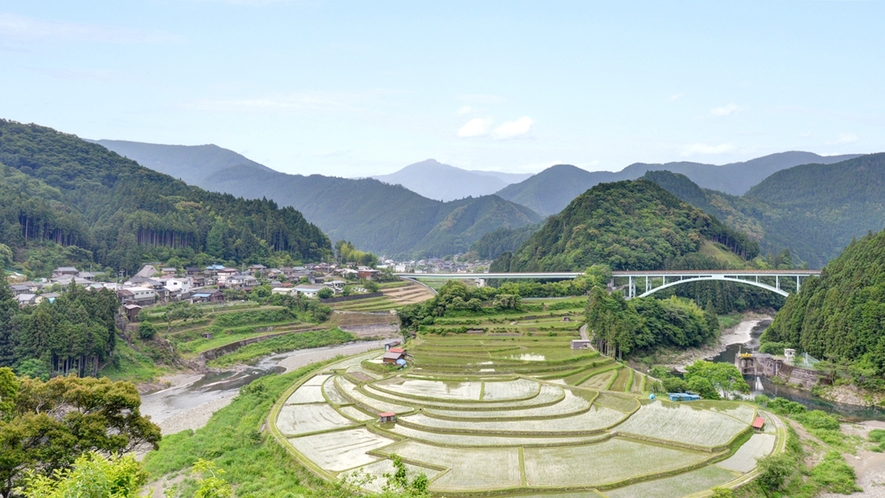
x: 378, y: 217
x: 390, y: 218
x: 549, y: 191
x: 435, y: 180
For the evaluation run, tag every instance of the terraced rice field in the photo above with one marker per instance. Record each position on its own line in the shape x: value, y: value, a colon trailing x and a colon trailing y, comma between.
x: 514, y: 416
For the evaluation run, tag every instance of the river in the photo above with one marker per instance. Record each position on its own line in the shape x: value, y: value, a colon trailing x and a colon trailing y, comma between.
x: 763, y: 385
x: 192, y: 399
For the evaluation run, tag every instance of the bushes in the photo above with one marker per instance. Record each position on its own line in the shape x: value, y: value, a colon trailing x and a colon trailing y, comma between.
x: 242, y: 318
x: 833, y: 474
x: 147, y: 331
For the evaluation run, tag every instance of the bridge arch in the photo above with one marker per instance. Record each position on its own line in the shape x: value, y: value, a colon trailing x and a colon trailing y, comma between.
x: 721, y: 279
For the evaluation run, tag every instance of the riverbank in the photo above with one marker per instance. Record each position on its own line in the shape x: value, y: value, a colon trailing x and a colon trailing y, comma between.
x: 851, y: 395
x: 739, y: 334
x: 187, y: 401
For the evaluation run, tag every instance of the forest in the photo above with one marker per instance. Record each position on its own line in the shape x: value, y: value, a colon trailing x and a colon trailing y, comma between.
x: 628, y: 225
x: 82, y: 203
x: 73, y: 334
x: 620, y: 327
x: 840, y: 317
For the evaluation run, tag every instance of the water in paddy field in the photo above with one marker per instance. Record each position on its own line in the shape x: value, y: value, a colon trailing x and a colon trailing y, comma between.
x: 763, y: 385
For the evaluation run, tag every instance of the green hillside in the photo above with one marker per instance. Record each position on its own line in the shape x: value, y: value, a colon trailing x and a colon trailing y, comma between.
x: 63, y: 200
x: 633, y: 225
x: 814, y: 210
x: 841, y: 315
x: 818, y: 208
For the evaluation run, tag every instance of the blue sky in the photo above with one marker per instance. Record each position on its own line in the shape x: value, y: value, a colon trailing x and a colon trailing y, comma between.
x: 361, y: 88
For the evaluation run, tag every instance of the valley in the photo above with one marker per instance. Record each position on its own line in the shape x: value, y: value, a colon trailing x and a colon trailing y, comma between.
x: 258, y: 343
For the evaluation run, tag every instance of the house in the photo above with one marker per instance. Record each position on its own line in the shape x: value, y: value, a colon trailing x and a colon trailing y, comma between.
x: 147, y: 271
x: 285, y: 291
x: 192, y: 270
x: 142, y: 295
x: 65, y: 280
x: 387, y: 418
x: 65, y: 270
x: 394, y: 355
x: 131, y: 311
x: 168, y: 272
x: 308, y: 290
x: 580, y: 344
x: 208, y: 297
x: 50, y: 296
x: 213, y: 269
x: 758, y: 424
x: 391, y: 344
x: 368, y: 273
x: 225, y: 273
x: 19, y: 289
x: 87, y: 275
x: 336, y: 285
x: 177, y: 286
x: 26, y: 299
x: 259, y: 269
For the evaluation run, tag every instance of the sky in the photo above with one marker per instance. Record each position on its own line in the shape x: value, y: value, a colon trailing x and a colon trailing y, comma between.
x: 361, y: 88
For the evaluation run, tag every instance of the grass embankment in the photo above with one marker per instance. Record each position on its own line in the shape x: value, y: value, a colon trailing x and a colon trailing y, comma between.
x: 289, y: 342
x: 134, y: 366
x: 253, y: 462
x: 813, y: 461
x: 185, y: 331
x: 551, y: 317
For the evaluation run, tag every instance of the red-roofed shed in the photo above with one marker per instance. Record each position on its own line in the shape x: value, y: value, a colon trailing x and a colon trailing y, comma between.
x: 758, y: 423
x: 386, y: 417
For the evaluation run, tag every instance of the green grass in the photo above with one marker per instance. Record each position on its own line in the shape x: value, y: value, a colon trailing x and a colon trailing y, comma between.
x: 254, y: 463
x: 289, y: 342
x: 730, y: 320
x: 132, y: 365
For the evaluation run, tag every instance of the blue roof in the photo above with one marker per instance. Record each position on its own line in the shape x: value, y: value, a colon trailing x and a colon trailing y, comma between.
x: 202, y: 294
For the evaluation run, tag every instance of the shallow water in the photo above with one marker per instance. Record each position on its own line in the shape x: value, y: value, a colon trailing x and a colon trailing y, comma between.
x: 763, y: 385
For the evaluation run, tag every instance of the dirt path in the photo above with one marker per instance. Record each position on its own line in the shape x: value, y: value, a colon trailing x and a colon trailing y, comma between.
x: 868, y: 466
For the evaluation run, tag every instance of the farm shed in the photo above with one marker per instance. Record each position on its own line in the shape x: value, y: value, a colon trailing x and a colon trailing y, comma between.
x: 386, y: 418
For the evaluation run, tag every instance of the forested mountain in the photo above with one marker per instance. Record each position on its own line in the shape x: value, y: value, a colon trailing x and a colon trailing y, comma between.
x: 64, y: 199
x: 442, y: 182
x: 188, y: 163
x: 494, y: 244
x: 551, y: 190
x: 841, y: 315
x: 628, y: 225
x: 377, y: 217
x: 737, y: 178
x: 813, y: 209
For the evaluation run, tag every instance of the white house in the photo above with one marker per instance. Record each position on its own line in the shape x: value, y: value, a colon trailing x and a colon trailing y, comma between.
x: 308, y: 290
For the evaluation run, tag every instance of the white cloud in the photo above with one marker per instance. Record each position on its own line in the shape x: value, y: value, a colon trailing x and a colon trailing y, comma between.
x: 846, y: 138
x: 15, y: 27
x: 465, y: 110
x: 675, y: 97
x: 475, y: 127
x: 706, y: 150
x: 726, y: 110
x: 511, y: 129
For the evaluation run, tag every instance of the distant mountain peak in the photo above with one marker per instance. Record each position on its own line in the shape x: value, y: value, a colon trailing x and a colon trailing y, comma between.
x: 435, y: 180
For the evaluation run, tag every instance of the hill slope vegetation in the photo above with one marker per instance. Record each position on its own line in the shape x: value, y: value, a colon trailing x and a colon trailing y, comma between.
x: 841, y: 315
x: 628, y: 225
x: 63, y: 199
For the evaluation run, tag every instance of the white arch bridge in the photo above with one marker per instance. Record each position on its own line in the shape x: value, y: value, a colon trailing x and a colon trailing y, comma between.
x: 645, y: 283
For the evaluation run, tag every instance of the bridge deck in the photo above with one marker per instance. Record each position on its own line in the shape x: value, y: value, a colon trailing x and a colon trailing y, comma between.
x: 653, y: 273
